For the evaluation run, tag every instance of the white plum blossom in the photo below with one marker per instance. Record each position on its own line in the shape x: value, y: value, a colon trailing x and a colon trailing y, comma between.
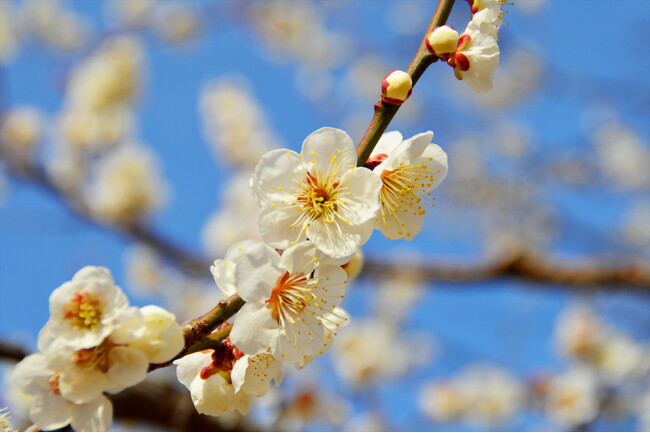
x: 371, y: 351
x: 332, y: 321
x: 572, y: 398
x: 319, y: 194
x: 163, y: 336
x: 287, y: 298
x: 579, y: 333
x: 490, y: 11
x: 111, y: 366
x: 127, y: 185
x: 49, y: 410
x: 409, y: 170
x: 493, y: 394
x: 96, y: 342
x: 234, y: 122
x: 21, y: 129
x: 84, y: 311
x: 109, y: 78
x: 442, y: 401
x: 477, y: 55
x: 223, y: 271
x: 253, y: 374
x: 212, y: 394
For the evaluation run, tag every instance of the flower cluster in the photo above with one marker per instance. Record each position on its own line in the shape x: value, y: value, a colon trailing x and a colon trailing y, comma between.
x: 93, y: 343
x: 316, y: 208
x: 474, y: 54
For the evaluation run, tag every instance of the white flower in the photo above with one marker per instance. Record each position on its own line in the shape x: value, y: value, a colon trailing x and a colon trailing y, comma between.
x: 211, y: 392
x: 223, y: 271
x: 88, y: 130
x: 85, y: 310
x: 234, y: 123
x: 331, y: 321
x: 442, y: 401
x: 49, y: 410
x: 21, y: 130
x: 320, y: 195
x: 127, y: 185
x: 572, y: 398
x: 490, y: 11
x: 370, y: 351
x: 286, y: 300
x: 111, y: 366
x: 409, y: 170
x: 477, y: 55
x: 163, y: 336
x: 620, y: 358
x: 580, y: 333
x: 108, y: 79
x: 253, y: 374
x: 493, y: 394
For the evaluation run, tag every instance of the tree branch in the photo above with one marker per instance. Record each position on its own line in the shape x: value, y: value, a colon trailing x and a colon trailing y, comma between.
x: 384, y: 112
x: 525, y: 265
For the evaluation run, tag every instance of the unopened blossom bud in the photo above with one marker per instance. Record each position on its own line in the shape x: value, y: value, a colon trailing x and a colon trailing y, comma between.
x: 442, y: 41
x: 396, y: 87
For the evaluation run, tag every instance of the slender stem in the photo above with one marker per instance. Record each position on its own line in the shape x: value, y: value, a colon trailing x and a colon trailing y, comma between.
x: 196, y: 330
x: 385, y: 112
x: 212, y: 341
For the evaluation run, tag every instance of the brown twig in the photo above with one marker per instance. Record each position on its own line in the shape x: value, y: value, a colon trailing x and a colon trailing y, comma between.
x: 385, y: 112
x: 524, y: 265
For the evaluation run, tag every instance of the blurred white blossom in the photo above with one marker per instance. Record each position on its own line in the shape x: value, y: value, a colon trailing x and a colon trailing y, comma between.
x: 126, y: 185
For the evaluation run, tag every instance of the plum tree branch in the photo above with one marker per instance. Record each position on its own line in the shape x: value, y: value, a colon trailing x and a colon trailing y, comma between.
x: 384, y: 112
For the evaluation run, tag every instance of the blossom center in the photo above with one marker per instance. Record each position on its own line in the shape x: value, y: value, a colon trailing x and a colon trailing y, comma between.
x: 95, y: 358
x: 402, y: 187
x: 54, y: 385
x: 289, y: 298
x: 318, y: 197
x: 84, y: 311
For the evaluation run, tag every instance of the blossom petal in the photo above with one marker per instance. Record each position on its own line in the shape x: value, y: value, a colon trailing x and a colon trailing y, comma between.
x: 257, y: 272
x: 300, y: 258
x: 332, y: 240
x: 31, y: 375
x: 223, y: 273
x: 215, y: 396
x: 275, y: 175
x: 82, y: 386
x: 255, y: 329
x: 388, y: 143
x: 321, y: 145
x: 406, y: 223
x: 253, y: 374
x: 305, y: 338
x: 360, y: 202
x: 127, y: 367
x: 94, y: 416
x: 189, y: 366
x: 50, y: 412
x: 129, y: 326
x: 279, y: 229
